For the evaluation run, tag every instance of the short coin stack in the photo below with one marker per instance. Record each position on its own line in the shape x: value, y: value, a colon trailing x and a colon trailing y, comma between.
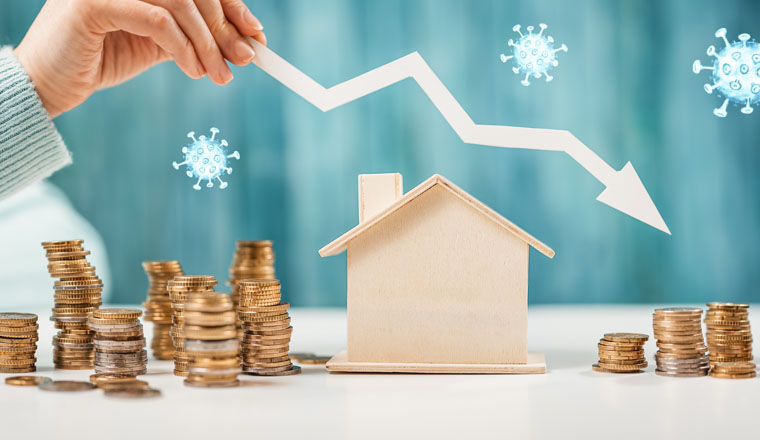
x: 18, y: 342
x: 179, y: 289
x: 252, y: 260
x: 621, y: 353
x: 211, y: 341
x: 733, y: 370
x: 681, y: 347
x: 158, y: 306
x: 266, y: 329
x: 119, y: 341
x: 77, y: 294
x: 729, y: 336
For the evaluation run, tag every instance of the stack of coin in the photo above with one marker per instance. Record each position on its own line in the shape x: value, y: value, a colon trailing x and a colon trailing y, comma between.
x: 729, y: 336
x: 681, y: 347
x: 621, y: 353
x: 266, y: 329
x: 211, y: 341
x: 179, y: 288
x: 119, y: 341
x: 18, y: 342
x: 158, y: 306
x: 733, y: 370
x: 77, y: 294
x: 252, y: 260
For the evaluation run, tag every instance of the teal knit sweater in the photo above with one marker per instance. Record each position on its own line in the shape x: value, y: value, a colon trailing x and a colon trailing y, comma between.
x: 31, y: 148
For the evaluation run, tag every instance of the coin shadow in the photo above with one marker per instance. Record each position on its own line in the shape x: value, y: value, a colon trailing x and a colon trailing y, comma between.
x: 45, y: 369
x: 313, y: 370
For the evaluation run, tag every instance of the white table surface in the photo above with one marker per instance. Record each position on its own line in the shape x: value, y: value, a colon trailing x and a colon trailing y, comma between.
x: 570, y: 401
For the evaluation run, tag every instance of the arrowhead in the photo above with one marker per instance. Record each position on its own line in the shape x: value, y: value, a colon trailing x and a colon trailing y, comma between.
x: 627, y: 194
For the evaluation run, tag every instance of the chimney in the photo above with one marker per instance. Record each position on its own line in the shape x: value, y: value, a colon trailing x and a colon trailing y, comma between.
x: 377, y: 192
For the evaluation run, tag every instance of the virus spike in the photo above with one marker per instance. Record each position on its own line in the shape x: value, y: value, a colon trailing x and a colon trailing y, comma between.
x: 222, y: 183
x: 548, y: 77
x: 563, y: 48
x: 744, y: 38
x: 511, y: 42
x: 698, y: 67
x: 223, y: 143
x: 213, y: 131
x: 191, y: 135
x: 525, y: 82
x: 721, y: 111
x: 189, y: 173
x: 210, y: 184
x: 516, y: 70
x: 236, y: 155
x: 177, y: 165
x: 504, y: 58
x: 542, y: 26
x: 721, y: 33
x: 747, y: 109
x: 516, y: 28
x: 197, y: 185
x: 709, y: 88
x: 530, y: 31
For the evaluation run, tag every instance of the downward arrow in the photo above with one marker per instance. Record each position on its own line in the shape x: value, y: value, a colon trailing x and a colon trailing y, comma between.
x: 624, y: 191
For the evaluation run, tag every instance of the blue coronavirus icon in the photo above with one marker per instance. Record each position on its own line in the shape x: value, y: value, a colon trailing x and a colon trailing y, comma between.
x: 535, y: 55
x: 206, y: 159
x: 736, y: 72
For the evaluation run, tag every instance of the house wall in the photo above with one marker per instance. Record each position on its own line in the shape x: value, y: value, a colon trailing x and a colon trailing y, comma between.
x: 437, y: 282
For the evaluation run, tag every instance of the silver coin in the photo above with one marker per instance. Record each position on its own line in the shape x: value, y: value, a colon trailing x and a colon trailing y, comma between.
x: 210, y: 346
x: 699, y: 373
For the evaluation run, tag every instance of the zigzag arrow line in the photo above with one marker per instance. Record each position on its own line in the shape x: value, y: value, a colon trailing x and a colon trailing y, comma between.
x: 624, y: 190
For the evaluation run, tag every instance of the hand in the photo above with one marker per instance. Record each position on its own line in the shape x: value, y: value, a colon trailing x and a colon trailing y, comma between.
x: 75, y: 47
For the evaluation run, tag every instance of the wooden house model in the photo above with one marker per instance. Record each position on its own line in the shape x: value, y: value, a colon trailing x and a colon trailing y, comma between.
x: 437, y: 283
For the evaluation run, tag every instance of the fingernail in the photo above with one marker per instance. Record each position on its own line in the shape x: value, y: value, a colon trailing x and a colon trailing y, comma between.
x: 253, y: 21
x: 226, y: 75
x: 244, y: 51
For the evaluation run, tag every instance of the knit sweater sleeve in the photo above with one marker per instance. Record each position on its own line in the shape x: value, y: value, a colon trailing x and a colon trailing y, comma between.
x: 31, y: 148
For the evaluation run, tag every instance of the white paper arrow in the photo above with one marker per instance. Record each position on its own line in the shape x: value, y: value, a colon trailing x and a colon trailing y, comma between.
x: 624, y: 191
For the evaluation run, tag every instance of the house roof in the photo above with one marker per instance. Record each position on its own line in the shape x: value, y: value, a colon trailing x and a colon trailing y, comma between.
x: 339, y: 244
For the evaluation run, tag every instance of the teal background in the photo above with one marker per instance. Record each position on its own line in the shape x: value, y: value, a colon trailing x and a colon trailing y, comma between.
x: 625, y: 88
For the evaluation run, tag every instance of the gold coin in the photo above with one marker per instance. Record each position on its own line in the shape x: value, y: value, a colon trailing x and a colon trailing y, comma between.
x: 26, y: 381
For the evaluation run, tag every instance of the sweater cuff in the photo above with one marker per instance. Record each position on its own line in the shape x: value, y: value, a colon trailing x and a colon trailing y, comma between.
x: 31, y: 148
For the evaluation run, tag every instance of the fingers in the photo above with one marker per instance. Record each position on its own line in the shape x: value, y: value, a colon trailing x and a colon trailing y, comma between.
x: 232, y: 44
x: 196, y: 28
x: 247, y: 24
x: 147, y: 21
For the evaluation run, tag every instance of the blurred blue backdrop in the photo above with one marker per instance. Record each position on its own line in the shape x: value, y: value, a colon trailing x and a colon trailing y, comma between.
x: 625, y: 88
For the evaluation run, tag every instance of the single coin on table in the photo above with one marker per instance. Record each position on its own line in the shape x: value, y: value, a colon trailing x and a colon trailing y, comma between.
x: 66, y: 386
x: 133, y: 393
x: 26, y: 381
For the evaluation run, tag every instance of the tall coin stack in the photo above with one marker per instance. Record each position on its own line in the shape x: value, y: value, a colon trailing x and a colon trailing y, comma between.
x: 252, y: 260
x: 729, y: 336
x: 18, y: 342
x: 119, y: 341
x: 211, y: 341
x: 266, y: 329
x: 681, y: 347
x: 179, y: 289
x: 158, y: 306
x: 77, y: 294
x: 621, y: 353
